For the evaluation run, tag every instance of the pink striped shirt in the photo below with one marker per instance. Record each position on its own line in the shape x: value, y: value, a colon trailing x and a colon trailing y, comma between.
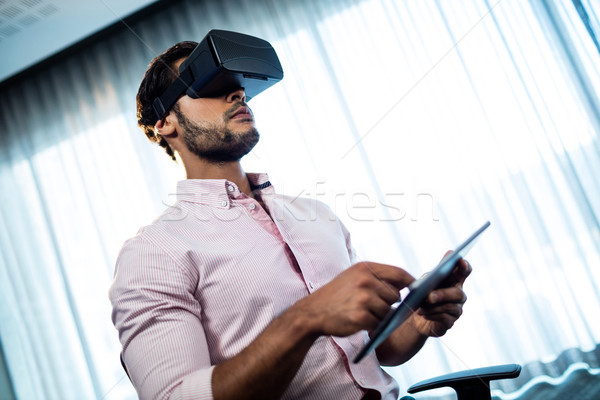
x: 201, y: 282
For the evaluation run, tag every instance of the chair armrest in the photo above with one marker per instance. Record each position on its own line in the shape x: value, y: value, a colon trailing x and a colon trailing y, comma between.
x: 470, y: 384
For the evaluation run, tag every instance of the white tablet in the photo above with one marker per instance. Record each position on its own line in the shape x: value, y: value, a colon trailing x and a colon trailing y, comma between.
x: 418, y: 292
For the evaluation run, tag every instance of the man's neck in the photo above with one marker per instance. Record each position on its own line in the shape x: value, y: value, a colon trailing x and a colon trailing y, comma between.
x: 232, y: 171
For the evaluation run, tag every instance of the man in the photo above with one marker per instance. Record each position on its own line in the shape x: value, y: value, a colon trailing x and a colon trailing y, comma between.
x: 237, y: 292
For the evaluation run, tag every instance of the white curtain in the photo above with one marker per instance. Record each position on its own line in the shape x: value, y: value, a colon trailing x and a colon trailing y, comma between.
x: 415, y: 120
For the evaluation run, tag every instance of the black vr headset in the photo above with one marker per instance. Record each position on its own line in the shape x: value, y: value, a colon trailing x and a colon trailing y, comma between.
x: 222, y: 62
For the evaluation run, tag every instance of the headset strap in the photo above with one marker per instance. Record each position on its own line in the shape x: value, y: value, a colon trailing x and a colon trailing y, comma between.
x: 163, y: 103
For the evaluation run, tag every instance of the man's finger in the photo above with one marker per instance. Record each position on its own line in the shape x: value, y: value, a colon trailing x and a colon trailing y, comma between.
x: 447, y: 295
x: 453, y: 309
x: 395, y: 276
x: 388, y: 292
x: 460, y: 273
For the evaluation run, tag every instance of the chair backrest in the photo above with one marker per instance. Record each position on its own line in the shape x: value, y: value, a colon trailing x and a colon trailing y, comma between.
x: 472, y: 384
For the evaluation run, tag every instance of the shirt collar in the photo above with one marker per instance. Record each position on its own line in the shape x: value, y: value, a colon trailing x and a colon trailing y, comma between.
x: 219, y: 192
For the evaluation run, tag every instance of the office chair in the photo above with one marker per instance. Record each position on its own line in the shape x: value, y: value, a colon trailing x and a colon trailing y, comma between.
x: 473, y: 384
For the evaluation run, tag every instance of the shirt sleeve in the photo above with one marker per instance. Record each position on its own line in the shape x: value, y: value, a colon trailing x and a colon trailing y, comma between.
x: 159, y: 324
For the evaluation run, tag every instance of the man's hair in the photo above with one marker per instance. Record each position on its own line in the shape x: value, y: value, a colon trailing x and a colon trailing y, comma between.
x: 159, y: 75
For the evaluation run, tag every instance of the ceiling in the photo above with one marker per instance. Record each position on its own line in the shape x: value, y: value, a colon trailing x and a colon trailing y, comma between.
x: 33, y: 30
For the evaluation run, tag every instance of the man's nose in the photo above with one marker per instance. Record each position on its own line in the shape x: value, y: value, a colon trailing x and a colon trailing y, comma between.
x: 236, y: 95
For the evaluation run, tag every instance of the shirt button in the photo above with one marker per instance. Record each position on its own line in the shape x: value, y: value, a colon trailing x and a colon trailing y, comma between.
x: 362, y: 381
x: 311, y: 285
x: 252, y: 206
x: 230, y: 188
x: 224, y: 203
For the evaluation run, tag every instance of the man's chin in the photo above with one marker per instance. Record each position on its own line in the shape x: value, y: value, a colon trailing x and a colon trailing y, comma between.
x: 227, y: 145
x: 227, y: 153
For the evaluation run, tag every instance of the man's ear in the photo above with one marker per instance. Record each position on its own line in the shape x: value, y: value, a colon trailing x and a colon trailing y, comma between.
x: 165, y: 126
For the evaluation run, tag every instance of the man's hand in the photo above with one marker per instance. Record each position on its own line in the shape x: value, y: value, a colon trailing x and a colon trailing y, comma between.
x: 443, y: 306
x: 359, y: 298
x: 356, y: 299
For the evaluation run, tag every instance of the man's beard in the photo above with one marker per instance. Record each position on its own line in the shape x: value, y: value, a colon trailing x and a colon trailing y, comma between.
x: 216, y: 143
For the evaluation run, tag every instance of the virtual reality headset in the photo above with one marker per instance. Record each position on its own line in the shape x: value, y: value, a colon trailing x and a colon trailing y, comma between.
x: 223, y: 62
